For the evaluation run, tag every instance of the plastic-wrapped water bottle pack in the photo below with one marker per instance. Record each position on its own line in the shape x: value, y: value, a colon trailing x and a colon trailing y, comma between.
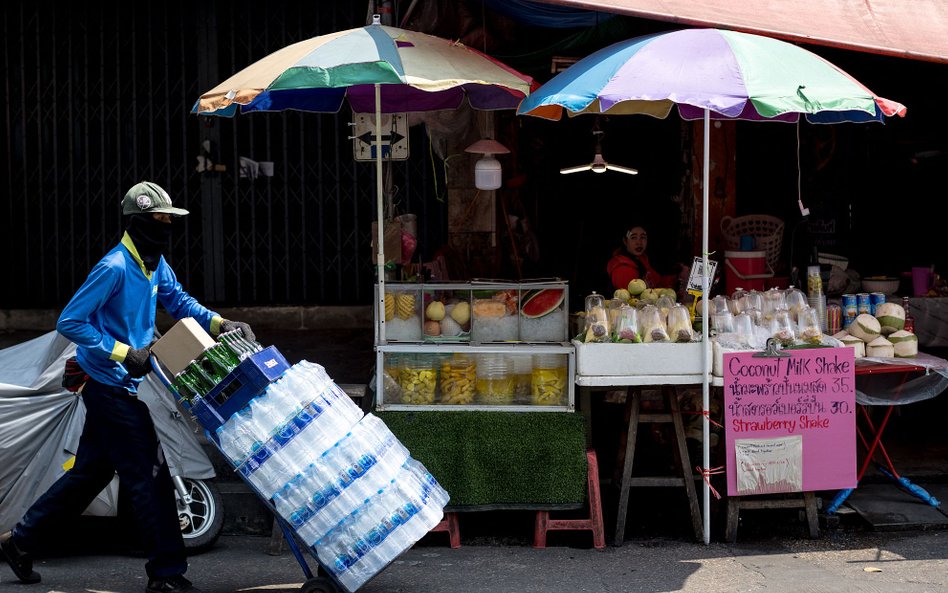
x: 342, y: 480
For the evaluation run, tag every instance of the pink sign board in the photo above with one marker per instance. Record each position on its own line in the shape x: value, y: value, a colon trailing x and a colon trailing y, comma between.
x: 790, y: 421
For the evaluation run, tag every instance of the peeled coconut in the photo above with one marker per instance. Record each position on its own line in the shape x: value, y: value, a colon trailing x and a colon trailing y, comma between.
x: 905, y: 344
x: 880, y: 348
x: 865, y: 327
x: 841, y: 335
x: 858, y: 346
x: 891, y: 317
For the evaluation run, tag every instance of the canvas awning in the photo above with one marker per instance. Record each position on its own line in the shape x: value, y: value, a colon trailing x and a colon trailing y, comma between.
x: 914, y: 29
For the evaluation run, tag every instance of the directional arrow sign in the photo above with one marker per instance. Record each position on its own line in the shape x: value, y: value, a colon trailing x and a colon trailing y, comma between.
x: 394, y: 128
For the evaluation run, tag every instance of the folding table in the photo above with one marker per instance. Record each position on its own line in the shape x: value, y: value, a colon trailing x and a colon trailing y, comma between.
x: 870, y: 434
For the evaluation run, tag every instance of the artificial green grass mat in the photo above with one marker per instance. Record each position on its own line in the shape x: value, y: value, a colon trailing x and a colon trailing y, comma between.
x: 498, y: 458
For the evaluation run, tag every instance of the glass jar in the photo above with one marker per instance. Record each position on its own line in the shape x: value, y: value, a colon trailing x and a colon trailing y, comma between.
x: 458, y: 380
x: 418, y: 379
x: 522, y: 369
x: 549, y: 384
x: 495, y: 382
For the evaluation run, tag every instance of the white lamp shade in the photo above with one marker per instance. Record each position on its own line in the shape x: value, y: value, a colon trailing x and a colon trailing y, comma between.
x: 487, y: 173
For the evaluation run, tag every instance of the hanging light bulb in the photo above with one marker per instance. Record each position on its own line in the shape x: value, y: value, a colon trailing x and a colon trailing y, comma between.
x: 488, y: 173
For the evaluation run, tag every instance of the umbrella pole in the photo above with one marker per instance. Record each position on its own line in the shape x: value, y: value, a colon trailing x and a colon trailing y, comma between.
x: 380, y: 239
x: 705, y: 362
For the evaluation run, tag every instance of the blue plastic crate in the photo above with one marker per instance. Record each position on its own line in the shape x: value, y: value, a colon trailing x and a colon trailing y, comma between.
x: 244, y: 383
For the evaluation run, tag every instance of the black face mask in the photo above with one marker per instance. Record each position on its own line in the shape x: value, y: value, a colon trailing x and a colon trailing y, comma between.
x: 151, y: 238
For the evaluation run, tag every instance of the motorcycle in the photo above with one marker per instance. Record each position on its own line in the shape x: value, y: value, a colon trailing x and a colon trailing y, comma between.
x: 40, y: 424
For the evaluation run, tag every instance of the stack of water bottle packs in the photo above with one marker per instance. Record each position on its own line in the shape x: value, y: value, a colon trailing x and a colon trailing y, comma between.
x: 342, y: 480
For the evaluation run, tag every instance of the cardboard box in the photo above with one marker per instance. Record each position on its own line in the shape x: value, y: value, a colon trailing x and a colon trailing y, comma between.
x: 181, y: 344
x: 656, y: 358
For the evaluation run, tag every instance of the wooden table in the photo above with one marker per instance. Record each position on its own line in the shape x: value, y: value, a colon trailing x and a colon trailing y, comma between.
x: 633, y: 416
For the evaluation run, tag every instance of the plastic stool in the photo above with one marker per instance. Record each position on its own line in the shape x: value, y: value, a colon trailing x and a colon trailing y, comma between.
x: 450, y: 524
x: 543, y: 523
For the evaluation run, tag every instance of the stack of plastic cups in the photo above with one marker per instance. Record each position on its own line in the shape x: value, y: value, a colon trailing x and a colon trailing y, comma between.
x: 815, y: 296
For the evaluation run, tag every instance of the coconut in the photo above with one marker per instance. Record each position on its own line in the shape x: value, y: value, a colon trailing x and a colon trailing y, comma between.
x: 891, y: 317
x: 865, y: 327
x: 905, y: 344
x: 880, y: 348
x: 858, y: 346
x: 842, y: 335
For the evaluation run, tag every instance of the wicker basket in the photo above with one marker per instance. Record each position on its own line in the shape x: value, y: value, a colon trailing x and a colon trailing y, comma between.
x: 766, y: 230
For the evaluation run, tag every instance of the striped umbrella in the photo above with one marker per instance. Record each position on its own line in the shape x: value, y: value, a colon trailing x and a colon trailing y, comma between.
x: 709, y: 74
x: 376, y: 68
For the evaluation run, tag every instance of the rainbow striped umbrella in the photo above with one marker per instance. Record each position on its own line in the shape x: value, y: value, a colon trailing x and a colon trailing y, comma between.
x: 733, y: 75
x: 415, y: 72
x: 709, y: 74
x: 377, y: 69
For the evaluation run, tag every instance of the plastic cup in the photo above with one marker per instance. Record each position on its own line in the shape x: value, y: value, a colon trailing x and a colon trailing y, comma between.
x: 921, y: 281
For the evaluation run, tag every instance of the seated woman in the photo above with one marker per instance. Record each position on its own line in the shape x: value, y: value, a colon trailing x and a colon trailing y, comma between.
x: 630, y: 262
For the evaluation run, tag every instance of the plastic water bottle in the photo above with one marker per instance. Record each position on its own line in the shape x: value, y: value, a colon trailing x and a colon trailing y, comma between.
x: 237, y: 437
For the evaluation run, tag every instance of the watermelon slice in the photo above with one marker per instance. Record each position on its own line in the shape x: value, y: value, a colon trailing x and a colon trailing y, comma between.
x: 542, y: 302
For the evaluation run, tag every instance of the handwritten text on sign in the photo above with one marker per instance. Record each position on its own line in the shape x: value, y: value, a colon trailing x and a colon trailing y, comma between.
x: 810, y: 393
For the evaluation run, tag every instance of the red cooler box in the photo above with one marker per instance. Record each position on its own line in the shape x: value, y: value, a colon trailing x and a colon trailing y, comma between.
x: 746, y: 269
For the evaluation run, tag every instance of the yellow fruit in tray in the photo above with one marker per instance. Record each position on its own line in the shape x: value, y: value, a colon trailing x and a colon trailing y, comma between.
x: 435, y: 311
x: 405, y: 305
x: 461, y: 313
x: 389, y: 306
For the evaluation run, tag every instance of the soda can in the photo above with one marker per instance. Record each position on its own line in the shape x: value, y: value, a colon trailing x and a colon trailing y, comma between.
x: 875, y: 299
x: 834, y: 318
x: 849, y: 309
x: 862, y: 303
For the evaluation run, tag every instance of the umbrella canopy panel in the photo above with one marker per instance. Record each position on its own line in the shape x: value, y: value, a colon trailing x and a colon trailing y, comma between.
x: 417, y: 72
x: 733, y: 75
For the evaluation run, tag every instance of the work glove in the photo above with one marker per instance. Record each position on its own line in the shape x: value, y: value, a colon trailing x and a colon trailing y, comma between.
x: 228, y: 326
x: 137, y: 363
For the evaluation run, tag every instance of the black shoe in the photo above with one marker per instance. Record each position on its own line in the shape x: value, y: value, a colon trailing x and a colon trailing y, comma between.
x: 175, y: 584
x: 19, y: 561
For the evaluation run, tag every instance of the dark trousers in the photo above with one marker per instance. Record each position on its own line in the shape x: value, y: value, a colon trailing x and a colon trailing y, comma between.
x: 118, y: 436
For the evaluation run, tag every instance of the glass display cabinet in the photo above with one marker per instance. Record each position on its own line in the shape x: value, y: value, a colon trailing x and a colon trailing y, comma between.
x: 480, y: 345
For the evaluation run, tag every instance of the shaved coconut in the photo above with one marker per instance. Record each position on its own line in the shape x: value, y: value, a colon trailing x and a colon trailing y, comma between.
x: 858, y: 346
x: 841, y: 335
x: 865, y: 327
x: 880, y: 348
x: 891, y: 317
x: 905, y: 344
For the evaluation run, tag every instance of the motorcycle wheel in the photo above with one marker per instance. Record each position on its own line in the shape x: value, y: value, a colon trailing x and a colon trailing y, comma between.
x: 202, y: 520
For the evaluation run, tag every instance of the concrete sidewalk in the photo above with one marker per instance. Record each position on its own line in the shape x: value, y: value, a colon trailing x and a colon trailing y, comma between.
x: 843, y: 563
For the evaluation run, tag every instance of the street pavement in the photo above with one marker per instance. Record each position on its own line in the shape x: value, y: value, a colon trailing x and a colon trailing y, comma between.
x: 840, y: 561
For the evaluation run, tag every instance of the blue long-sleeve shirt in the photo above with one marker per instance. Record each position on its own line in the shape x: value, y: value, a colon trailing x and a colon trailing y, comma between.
x: 114, y: 310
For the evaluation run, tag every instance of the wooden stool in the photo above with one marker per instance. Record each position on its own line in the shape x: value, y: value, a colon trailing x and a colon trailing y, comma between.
x: 543, y: 523
x: 682, y: 459
x: 450, y: 524
x: 736, y: 503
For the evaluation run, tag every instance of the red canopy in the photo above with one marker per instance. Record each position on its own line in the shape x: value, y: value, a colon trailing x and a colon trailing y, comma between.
x: 909, y: 29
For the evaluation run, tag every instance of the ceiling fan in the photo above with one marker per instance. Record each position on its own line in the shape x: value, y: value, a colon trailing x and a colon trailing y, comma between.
x: 599, y: 164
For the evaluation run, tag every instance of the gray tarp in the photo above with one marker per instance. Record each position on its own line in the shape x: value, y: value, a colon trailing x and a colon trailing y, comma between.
x: 40, y: 424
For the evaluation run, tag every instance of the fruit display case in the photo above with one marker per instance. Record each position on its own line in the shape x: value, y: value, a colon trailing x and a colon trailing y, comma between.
x: 482, y: 345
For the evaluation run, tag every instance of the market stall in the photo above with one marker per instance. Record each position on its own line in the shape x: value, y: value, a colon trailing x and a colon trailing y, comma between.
x: 709, y: 74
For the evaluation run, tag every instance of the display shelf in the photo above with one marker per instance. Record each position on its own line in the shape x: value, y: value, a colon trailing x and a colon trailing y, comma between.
x: 480, y: 312
x: 426, y: 377
x: 489, y: 355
